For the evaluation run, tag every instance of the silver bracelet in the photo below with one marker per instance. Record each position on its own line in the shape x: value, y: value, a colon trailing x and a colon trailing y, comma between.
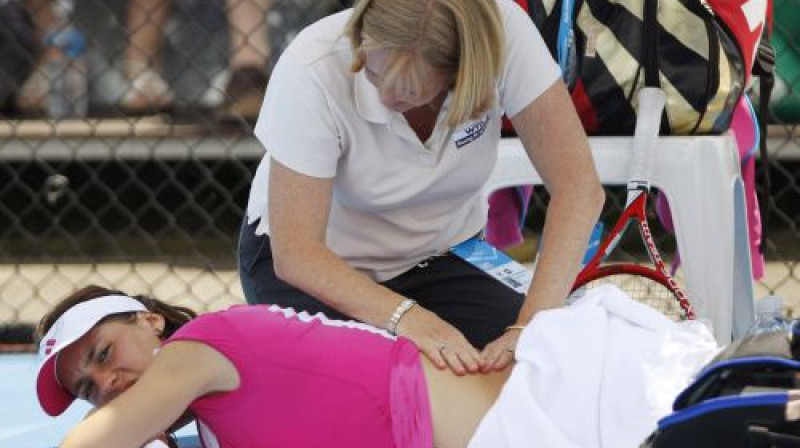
x: 401, y: 309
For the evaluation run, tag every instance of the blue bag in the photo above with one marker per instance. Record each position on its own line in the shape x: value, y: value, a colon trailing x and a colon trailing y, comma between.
x: 739, y: 400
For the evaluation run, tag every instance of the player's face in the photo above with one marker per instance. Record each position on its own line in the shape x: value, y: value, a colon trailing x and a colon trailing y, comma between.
x: 109, y: 359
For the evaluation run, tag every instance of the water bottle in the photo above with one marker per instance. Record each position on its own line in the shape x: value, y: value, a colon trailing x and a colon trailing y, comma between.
x: 769, y: 316
x: 69, y: 86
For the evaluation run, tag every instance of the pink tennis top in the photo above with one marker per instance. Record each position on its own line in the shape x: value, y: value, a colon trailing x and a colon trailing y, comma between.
x: 307, y: 381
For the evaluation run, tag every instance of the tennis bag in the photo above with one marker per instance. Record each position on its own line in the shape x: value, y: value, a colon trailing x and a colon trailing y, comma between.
x: 739, y: 400
x: 700, y: 52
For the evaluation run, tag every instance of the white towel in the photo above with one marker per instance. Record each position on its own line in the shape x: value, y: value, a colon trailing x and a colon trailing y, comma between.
x: 597, y: 374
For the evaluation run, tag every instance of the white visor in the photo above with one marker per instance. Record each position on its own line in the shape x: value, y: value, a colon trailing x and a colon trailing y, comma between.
x: 70, y: 327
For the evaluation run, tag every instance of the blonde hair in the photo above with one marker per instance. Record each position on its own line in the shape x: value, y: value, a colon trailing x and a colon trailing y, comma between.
x: 462, y: 37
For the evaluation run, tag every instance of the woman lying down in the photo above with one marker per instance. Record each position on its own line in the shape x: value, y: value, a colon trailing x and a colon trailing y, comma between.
x: 599, y: 373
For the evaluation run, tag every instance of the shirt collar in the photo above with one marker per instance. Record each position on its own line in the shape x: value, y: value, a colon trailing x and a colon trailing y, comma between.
x: 368, y: 100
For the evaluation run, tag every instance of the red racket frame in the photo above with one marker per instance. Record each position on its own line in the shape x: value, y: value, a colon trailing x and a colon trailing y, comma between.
x: 635, y: 211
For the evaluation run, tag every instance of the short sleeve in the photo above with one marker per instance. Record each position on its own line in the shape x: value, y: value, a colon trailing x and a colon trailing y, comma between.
x: 296, y: 124
x: 211, y: 329
x: 529, y: 68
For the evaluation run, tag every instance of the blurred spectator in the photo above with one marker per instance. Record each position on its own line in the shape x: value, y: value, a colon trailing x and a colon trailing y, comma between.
x: 148, y: 92
x: 17, y: 43
x: 249, y: 60
x: 33, y: 93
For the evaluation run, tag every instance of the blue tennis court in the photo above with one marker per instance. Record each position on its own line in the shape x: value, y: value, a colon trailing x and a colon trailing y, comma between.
x: 22, y: 422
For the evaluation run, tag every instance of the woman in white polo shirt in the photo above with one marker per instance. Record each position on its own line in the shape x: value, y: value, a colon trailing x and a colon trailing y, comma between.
x: 381, y: 125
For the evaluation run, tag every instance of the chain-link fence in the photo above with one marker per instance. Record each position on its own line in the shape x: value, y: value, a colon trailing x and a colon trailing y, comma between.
x: 145, y: 189
x: 147, y: 192
x: 782, y: 216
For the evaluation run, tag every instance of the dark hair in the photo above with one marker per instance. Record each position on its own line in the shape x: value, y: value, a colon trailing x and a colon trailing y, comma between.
x: 174, y: 316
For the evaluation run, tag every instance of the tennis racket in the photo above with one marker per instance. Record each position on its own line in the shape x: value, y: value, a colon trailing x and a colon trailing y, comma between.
x: 652, y: 286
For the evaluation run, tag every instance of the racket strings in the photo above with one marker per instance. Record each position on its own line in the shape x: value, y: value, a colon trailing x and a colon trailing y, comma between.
x: 646, y: 291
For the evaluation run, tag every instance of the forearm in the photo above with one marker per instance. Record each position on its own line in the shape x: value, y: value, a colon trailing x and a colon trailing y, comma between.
x: 571, y: 216
x: 159, y: 397
x: 334, y: 282
x: 554, y: 139
x: 301, y: 257
x: 103, y: 431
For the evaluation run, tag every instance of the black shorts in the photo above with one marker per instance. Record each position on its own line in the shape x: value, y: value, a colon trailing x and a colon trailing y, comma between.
x: 461, y: 294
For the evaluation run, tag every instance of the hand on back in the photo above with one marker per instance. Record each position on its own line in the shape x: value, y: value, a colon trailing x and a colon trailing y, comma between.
x: 499, y: 354
x: 441, y: 342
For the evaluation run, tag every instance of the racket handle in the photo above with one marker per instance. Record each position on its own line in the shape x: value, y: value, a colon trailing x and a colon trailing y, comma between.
x: 648, y: 122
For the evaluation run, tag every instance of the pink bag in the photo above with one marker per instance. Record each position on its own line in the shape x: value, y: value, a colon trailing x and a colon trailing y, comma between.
x: 508, y: 208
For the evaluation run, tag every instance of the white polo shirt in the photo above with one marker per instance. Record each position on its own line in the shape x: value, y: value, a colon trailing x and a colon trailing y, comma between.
x: 396, y: 200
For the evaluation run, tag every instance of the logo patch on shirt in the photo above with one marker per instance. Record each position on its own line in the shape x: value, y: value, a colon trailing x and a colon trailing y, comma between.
x: 470, y: 133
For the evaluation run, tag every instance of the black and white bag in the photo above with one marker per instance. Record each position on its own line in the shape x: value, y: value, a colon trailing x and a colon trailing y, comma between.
x: 700, y: 52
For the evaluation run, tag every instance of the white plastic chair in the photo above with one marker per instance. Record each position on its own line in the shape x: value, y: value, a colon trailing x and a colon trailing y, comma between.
x: 701, y: 178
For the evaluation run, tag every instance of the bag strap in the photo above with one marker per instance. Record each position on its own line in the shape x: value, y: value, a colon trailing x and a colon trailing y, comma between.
x: 650, y: 44
x: 566, y: 36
